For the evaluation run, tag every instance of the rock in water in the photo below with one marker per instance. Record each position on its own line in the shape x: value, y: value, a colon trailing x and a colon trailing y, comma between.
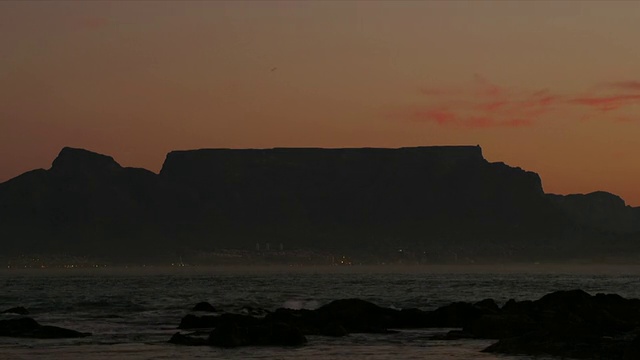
x: 229, y: 334
x: 17, y: 310
x: 570, y: 324
x: 204, y: 306
x: 232, y: 334
x: 29, y: 328
x: 191, y: 321
x: 180, y: 339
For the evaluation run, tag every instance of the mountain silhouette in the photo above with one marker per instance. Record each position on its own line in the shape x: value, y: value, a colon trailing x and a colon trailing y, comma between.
x: 443, y: 199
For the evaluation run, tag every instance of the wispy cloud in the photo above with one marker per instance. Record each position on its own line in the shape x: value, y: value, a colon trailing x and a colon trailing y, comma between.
x: 438, y: 115
x: 437, y: 91
x: 484, y: 104
x: 486, y: 88
x: 607, y: 103
x: 625, y: 85
x: 627, y: 119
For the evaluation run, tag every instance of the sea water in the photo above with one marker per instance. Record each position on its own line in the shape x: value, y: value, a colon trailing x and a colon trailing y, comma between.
x: 132, y: 312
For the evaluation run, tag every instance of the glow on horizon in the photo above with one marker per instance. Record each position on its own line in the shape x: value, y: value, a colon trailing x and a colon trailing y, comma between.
x: 552, y: 87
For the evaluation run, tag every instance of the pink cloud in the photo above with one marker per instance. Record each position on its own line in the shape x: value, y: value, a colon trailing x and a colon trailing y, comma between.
x: 439, y: 116
x: 626, y: 119
x: 480, y: 122
x: 445, y: 116
x: 436, y: 91
x: 545, y: 100
x: 607, y: 103
x: 487, y: 88
x: 627, y: 85
x: 487, y: 122
x: 486, y: 105
x: 518, y: 123
x: 493, y: 106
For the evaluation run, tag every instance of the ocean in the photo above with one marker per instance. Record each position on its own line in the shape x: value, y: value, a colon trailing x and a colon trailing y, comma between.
x: 132, y: 312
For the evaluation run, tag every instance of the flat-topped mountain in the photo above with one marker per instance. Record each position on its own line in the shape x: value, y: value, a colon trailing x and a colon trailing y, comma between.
x: 437, y: 203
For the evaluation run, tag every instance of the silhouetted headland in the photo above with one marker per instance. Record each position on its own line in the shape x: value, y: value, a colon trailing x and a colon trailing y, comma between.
x: 293, y: 205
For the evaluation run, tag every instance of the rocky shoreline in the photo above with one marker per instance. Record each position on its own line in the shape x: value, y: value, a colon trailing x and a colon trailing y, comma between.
x: 568, y: 324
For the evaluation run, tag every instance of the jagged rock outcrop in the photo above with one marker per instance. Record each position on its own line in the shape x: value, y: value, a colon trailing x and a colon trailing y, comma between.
x: 568, y: 324
x: 204, y: 306
x: 29, y: 328
x: 19, y: 310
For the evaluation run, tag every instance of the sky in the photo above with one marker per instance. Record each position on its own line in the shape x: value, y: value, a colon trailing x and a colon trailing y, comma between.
x: 551, y: 87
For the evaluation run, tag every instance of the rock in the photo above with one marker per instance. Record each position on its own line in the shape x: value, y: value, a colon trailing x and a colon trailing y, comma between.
x: 229, y: 334
x: 204, y: 306
x: 17, y: 310
x: 498, y: 326
x: 29, y: 328
x: 518, y: 307
x: 232, y: 334
x: 334, y: 330
x: 180, y: 339
x: 191, y: 321
x: 454, y: 335
x: 632, y: 352
x: 561, y: 343
x: 54, y: 332
x: 279, y: 334
x: 487, y: 306
x: 308, y: 321
x: 455, y: 315
x: 249, y: 310
x: 570, y: 324
x: 601, y: 315
x: 17, y: 327
x: 357, y: 316
x: 411, y: 318
x: 242, y: 320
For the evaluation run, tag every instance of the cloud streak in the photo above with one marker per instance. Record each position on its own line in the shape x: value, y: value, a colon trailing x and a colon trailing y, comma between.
x: 625, y: 85
x: 607, y: 103
x: 485, y: 105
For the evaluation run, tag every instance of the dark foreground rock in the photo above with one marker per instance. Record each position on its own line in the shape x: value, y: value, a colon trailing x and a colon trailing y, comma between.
x: 20, y: 310
x: 191, y: 321
x: 575, y: 345
x: 568, y: 324
x: 338, y: 318
x: 204, y: 307
x: 571, y: 324
x: 190, y: 340
x: 232, y: 334
x: 29, y: 328
x: 235, y: 331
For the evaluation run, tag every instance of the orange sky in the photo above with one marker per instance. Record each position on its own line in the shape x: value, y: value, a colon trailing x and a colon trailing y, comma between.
x: 552, y: 87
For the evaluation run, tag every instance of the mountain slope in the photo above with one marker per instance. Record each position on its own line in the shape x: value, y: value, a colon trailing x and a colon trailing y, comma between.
x: 435, y: 200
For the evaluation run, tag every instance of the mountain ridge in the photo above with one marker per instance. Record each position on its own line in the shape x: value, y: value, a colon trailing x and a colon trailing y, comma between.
x: 371, y: 200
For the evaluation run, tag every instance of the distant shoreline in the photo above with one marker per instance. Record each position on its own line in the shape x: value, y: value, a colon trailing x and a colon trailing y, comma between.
x: 513, y: 268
